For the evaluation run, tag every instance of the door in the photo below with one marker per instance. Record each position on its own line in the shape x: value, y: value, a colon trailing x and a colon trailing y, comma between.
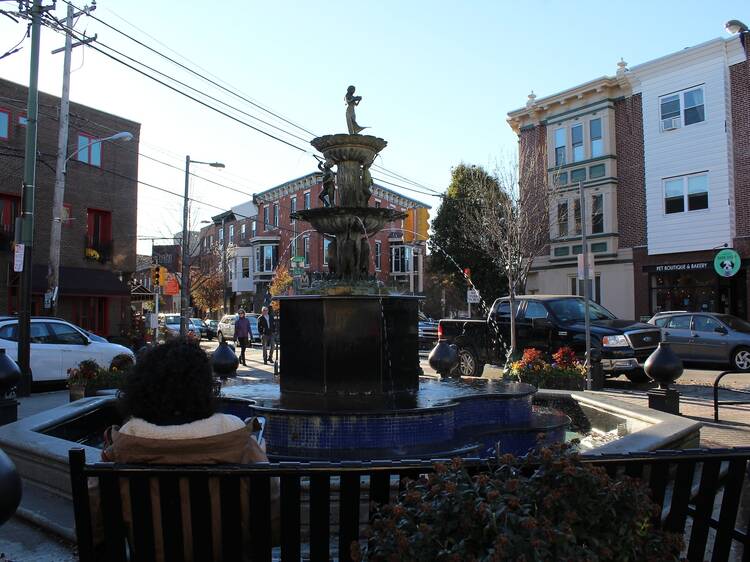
x: 677, y: 331
x: 74, y: 346
x: 708, y: 343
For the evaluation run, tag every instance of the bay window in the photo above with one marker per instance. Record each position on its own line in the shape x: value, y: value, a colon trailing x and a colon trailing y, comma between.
x: 401, y: 259
x: 266, y: 258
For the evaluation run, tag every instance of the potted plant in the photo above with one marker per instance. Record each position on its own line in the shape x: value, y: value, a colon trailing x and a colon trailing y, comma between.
x: 564, y: 373
x: 546, y: 506
x: 90, y: 377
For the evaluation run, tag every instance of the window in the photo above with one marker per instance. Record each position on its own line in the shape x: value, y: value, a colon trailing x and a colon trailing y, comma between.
x: 231, y: 234
x: 377, y: 204
x: 40, y: 333
x: 400, y: 259
x: 595, y: 290
x: 681, y: 322
x: 705, y: 324
x: 89, y: 152
x: 307, y: 199
x: 326, y: 244
x: 67, y: 215
x: 535, y: 310
x: 577, y: 249
x: 243, y: 231
x: 64, y: 334
x: 562, y: 219
x: 597, y: 171
x: 306, y: 249
x: 562, y: 251
x: 597, y: 214
x: 276, y: 214
x: 266, y: 257
x: 560, y: 147
x: 680, y: 108
x: 292, y: 208
x: 595, y: 132
x: 4, y: 124
x: 598, y: 247
x: 561, y: 179
x: 503, y: 309
x: 578, y: 175
x: 687, y: 192
x: 221, y: 237
x: 265, y: 218
x: 99, y: 228
x: 378, y: 253
x: 576, y: 137
x: 23, y: 120
x: 576, y: 216
x: 245, y: 268
x: 9, y: 332
x: 10, y: 206
x: 253, y: 228
x: 232, y: 267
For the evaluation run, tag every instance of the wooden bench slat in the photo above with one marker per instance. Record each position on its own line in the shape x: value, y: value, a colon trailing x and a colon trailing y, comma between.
x: 114, y: 525
x: 704, y: 504
x: 348, y: 513
x: 171, y: 516
x: 201, y: 518
x: 733, y: 483
x: 143, y: 522
x: 658, y: 480
x: 320, y: 517
x: 231, y: 518
x: 681, y: 491
x: 260, y: 517
x: 290, y: 517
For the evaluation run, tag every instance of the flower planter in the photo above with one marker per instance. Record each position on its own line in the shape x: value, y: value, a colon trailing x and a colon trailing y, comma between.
x: 76, y: 391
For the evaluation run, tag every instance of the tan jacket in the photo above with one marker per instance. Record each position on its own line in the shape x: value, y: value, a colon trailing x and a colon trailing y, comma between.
x: 234, y: 447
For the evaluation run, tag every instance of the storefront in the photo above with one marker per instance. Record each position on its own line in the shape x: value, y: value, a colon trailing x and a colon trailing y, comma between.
x: 716, y: 284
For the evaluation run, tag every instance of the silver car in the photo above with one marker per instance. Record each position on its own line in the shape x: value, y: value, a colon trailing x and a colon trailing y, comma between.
x: 707, y: 337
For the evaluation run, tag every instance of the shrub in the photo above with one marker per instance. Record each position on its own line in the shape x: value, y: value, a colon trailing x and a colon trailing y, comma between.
x: 547, y: 506
x: 93, y: 376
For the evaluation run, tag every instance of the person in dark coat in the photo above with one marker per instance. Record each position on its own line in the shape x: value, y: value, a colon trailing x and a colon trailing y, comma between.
x: 241, y: 333
x: 266, y: 329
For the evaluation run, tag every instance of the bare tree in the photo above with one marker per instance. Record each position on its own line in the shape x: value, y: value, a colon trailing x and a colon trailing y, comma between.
x: 507, y: 217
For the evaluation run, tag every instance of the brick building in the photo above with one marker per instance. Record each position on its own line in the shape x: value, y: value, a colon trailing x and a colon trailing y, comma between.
x: 260, y: 235
x: 662, y: 151
x: 98, y: 245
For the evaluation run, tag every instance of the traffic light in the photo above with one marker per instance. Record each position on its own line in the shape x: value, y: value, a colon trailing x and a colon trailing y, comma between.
x: 467, y: 273
x: 159, y: 275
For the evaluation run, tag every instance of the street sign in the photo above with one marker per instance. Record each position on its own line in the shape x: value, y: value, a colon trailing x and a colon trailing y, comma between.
x: 298, y: 272
x: 472, y: 296
x: 727, y: 262
x: 298, y: 261
x: 591, y: 266
x: 18, y: 258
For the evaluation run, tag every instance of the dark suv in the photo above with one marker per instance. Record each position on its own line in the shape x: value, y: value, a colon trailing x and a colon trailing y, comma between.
x: 547, y: 323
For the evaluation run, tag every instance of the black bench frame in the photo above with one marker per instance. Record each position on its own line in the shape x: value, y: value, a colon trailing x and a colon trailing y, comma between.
x: 686, y: 484
x: 727, y: 402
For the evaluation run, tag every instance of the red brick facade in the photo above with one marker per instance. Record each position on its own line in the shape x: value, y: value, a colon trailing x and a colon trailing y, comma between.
x: 739, y: 75
x: 532, y: 165
x: 631, y: 175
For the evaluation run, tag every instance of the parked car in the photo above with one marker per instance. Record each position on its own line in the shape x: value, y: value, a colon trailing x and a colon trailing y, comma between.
x: 547, y: 323
x: 706, y: 337
x: 170, y: 329
x: 201, y: 326
x: 225, y: 329
x: 56, y: 346
x: 213, y: 328
x: 428, y: 332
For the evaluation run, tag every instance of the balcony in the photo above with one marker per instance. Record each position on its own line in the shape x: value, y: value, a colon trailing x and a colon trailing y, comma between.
x: 97, y: 251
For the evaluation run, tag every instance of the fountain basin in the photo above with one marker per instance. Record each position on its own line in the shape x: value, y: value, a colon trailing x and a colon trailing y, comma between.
x: 341, y: 220
x: 342, y: 147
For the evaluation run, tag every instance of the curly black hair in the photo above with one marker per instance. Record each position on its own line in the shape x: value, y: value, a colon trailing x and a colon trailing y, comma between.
x: 170, y: 384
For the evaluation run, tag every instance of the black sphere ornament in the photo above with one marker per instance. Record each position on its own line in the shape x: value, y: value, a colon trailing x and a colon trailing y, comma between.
x: 10, y: 374
x: 443, y: 357
x: 10, y: 488
x: 663, y: 365
x: 223, y: 361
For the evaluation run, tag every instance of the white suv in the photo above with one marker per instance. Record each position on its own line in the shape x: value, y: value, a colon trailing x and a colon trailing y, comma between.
x: 56, y: 346
x: 225, y: 330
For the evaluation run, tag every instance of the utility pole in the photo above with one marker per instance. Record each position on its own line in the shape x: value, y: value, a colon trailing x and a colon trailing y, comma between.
x: 185, y: 285
x: 586, y: 289
x: 53, y: 269
x: 24, y: 235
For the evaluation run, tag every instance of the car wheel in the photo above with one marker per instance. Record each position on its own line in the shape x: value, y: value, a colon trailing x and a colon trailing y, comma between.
x: 741, y: 359
x: 468, y: 364
x: 637, y: 376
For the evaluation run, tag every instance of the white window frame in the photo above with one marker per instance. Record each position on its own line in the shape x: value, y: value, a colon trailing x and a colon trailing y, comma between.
x: 307, y: 200
x: 685, y: 193
x: 564, y: 159
x: 596, y: 149
x: 678, y: 122
x: 582, y: 145
x: 276, y: 214
x: 378, y: 254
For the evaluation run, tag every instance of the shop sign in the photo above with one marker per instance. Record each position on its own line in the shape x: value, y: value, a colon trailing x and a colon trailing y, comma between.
x: 670, y: 267
x: 727, y: 262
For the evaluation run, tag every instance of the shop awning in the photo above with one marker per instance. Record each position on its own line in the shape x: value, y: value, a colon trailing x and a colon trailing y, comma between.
x: 81, y: 281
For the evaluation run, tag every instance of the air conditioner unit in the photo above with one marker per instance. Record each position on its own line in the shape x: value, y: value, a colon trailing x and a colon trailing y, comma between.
x: 670, y: 124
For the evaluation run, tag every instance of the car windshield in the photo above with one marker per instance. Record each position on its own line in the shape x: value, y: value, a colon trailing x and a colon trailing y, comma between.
x: 734, y: 323
x: 573, y: 310
x: 172, y: 320
x: 197, y: 322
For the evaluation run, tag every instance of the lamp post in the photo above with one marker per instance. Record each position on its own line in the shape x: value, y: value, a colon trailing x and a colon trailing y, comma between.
x: 53, y: 269
x: 185, y: 285
x: 736, y: 26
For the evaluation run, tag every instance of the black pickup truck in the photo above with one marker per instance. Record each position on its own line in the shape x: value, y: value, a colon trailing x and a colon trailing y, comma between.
x: 547, y: 323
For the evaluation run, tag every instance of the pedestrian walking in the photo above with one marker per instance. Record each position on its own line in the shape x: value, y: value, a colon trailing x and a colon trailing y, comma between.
x: 266, y: 328
x: 241, y: 333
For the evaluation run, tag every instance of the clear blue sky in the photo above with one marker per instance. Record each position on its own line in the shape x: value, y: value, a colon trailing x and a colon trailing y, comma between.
x: 437, y: 77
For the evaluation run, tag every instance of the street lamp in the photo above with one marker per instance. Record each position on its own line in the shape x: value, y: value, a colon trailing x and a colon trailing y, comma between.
x: 53, y: 270
x: 736, y: 26
x: 185, y: 286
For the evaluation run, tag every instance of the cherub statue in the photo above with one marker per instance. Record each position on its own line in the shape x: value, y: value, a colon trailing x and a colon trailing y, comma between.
x: 366, y: 183
x: 351, y: 118
x: 329, y: 182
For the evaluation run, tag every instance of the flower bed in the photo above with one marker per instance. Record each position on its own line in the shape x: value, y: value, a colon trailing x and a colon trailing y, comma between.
x: 564, y: 373
x: 90, y: 377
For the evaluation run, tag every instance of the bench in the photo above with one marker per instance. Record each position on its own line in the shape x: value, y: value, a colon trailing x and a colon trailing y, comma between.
x: 727, y: 402
x: 324, y: 505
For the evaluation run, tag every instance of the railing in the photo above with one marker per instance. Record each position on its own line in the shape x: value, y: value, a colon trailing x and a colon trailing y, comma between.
x: 323, y: 505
